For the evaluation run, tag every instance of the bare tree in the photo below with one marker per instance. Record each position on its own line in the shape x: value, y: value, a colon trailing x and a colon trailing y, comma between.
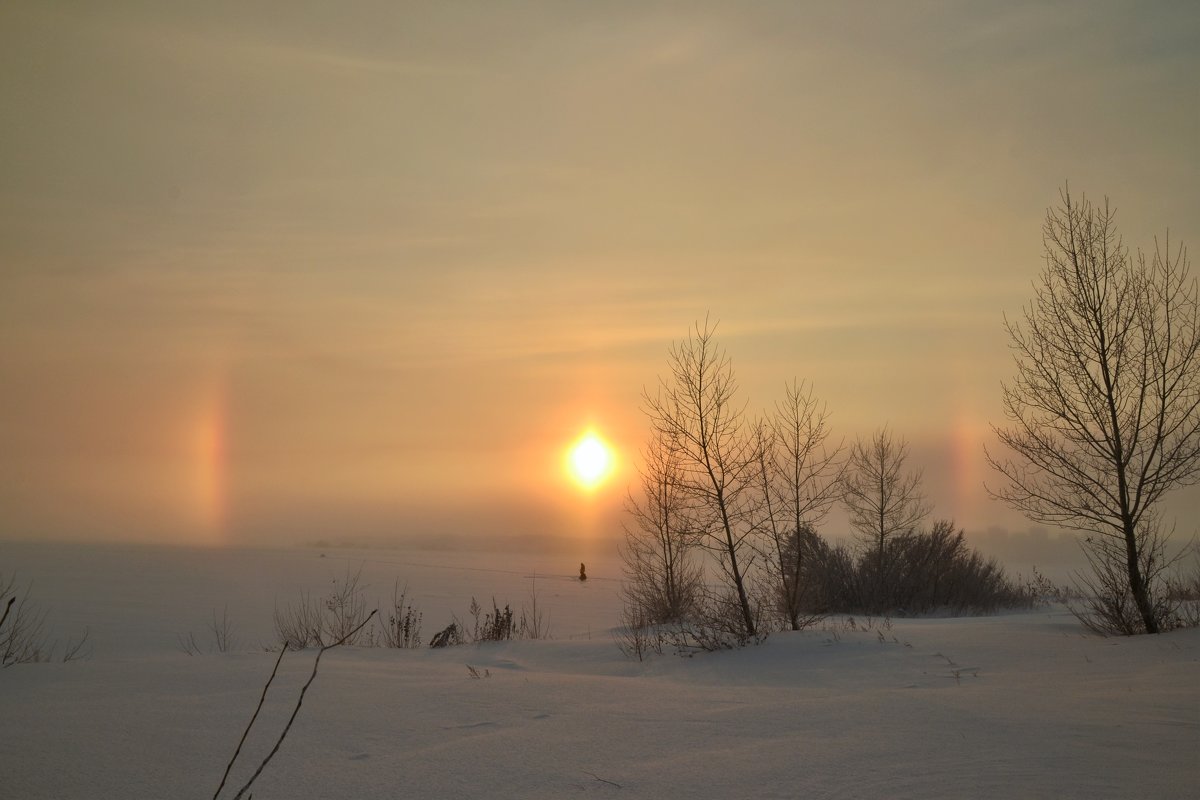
x: 1105, y: 409
x: 799, y: 479
x: 662, y: 581
x: 882, y: 498
x: 695, y: 411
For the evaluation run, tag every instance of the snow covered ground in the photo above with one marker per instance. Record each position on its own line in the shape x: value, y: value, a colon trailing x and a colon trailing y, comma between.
x: 1022, y: 705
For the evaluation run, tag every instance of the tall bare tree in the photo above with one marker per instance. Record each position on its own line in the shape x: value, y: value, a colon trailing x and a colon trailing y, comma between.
x: 1105, y: 409
x: 883, y: 499
x: 696, y: 411
x: 799, y: 480
x: 662, y: 580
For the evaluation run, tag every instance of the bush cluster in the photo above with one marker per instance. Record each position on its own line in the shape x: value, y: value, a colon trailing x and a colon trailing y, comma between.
x: 921, y: 572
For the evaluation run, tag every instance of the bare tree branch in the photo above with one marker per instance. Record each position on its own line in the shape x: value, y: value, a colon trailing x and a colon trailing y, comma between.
x: 882, y: 498
x: 237, y: 751
x: 798, y: 479
x: 348, y: 636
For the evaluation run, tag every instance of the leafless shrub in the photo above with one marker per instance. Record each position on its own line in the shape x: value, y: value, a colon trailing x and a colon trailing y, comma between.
x: 714, y: 623
x: 638, y: 637
x: 1185, y: 586
x: 1106, y: 603
x: 836, y: 626
x: 497, y: 625
x: 77, y: 649
x: 717, y: 624
x: 1106, y: 606
x: 830, y: 579
x: 222, y: 631
x: 22, y: 637
x: 345, y: 607
x: 534, y: 623
x: 188, y: 644
x: 22, y: 630
x: 317, y: 621
x: 937, y: 570
x: 503, y: 624
x: 403, y: 626
x: 1040, y: 590
x: 1183, y: 590
x: 300, y: 625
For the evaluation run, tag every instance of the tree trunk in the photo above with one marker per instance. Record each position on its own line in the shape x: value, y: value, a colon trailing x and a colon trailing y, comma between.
x: 743, y: 599
x: 1137, y: 584
x: 794, y: 594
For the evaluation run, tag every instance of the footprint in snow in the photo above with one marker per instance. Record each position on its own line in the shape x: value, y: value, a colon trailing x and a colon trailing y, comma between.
x: 467, y: 725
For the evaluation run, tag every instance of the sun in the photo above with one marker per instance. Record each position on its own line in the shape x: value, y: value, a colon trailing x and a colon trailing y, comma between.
x: 590, y: 460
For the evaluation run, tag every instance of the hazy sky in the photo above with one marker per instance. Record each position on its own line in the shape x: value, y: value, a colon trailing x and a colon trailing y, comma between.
x: 314, y: 270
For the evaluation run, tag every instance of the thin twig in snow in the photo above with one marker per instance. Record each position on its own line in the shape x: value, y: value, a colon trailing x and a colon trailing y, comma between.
x: 602, y: 780
x: 250, y: 724
x: 299, y: 702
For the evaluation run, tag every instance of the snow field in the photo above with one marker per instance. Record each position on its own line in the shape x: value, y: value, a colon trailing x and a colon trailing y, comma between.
x: 1022, y: 705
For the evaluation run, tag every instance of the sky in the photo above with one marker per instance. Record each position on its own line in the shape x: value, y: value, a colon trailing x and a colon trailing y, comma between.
x: 295, y: 271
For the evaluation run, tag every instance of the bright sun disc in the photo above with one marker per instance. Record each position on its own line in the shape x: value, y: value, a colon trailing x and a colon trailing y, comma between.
x: 590, y: 461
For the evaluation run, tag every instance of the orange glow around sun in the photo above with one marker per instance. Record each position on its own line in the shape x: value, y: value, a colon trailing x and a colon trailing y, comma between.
x: 590, y: 461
